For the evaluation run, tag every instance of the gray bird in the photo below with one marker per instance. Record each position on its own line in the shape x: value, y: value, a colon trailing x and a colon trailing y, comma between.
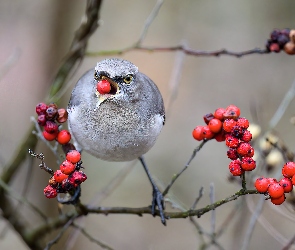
x: 120, y: 122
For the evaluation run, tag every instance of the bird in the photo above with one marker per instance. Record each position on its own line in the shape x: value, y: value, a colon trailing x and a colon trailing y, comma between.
x: 116, y: 113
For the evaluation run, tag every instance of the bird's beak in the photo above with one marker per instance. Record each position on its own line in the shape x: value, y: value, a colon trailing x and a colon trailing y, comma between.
x: 115, y: 89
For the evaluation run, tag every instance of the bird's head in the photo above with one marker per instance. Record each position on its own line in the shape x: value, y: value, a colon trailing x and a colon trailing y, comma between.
x: 116, y: 78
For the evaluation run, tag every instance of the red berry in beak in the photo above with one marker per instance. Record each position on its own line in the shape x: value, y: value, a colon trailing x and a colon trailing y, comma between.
x: 103, y: 87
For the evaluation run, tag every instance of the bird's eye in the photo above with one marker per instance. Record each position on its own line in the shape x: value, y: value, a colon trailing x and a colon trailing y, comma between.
x: 96, y: 76
x: 128, y: 79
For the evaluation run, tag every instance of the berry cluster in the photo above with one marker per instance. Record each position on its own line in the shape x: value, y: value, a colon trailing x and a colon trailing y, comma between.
x: 68, y: 177
x: 282, y: 40
x: 227, y: 125
x: 50, y: 117
x: 277, y: 189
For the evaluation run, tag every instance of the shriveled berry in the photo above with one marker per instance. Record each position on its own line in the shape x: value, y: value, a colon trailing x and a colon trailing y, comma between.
x: 59, y: 176
x: 50, y: 192
x: 63, y: 137
x: 51, y: 113
x: 247, y: 136
x: 207, y: 133
x: 287, y: 185
x: 41, y: 120
x: 41, y: 108
x: 198, y: 133
x: 243, y: 122
x: 248, y: 164
x: 66, y: 185
x: 48, y: 136
x: 228, y: 124
x: 275, y: 190
x: 282, y: 40
x: 208, y: 117
x: 288, y: 169
x: 275, y: 34
x: 73, y: 156
x: 235, y: 168
x: 244, y: 148
x: 67, y: 167
x: 232, y: 142
x: 77, y: 177
x: 103, y: 87
x: 231, y: 112
x: 62, y: 115
x: 289, y: 48
x: 232, y: 154
x: 51, y: 127
x: 261, y: 184
x: 278, y: 201
x: 215, y: 125
x: 218, y: 114
x: 52, y: 182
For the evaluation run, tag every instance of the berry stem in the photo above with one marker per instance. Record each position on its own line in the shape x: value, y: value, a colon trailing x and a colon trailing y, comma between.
x: 243, y: 181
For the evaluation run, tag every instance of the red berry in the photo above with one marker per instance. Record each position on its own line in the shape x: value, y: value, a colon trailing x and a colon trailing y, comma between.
x: 48, y: 136
x: 232, y: 154
x: 250, y: 152
x: 220, y: 136
x: 215, y: 125
x: 244, y: 148
x: 232, y: 142
x: 228, y: 124
x: 41, y: 120
x: 231, y: 111
x: 247, y: 136
x: 218, y: 114
x: 243, y: 122
x: 289, y: 169
x: 237, y: 131
x: 50, y: 192
x: 59, y: 176
x: 275, y: 190
x: 73, y: 156
x: 278, y: 201
x: 286, y: 183
x: 248, y: 164
x: 208, y: 117
x: 67, y: 167
x: 41, y: 108
x: 235, y: 168
x: 103, y: 87
x: 261, y: 184
x: 51, y: 127
x: 198, y: 133
x: 271, y: 180
x: 77, y: 178
x: 274, y: 47
x: 63, y: 137
x: 207, y: 133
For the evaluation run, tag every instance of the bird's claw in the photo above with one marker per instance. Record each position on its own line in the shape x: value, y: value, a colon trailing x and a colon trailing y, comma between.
x: 158, y: 201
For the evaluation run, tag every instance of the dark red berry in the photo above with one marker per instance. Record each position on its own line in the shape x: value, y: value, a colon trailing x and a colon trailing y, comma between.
x: 232, y: 154
x: 41, y: 108
x: 235, y: 168
x: 247, y: 136
x: 232, y: 142
x: 50, y: 192
x: 208, y: 117
x: 51, y: 127
x: 41, y: 120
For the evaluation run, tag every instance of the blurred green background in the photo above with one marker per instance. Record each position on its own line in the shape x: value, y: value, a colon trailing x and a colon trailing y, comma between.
x: 35, y: 36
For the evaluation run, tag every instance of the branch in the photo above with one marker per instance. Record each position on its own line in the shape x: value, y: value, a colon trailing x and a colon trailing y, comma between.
x: 183, y: 48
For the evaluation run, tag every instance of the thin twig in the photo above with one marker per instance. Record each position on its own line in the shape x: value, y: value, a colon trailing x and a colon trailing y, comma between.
x: 184, y: 49
x: 175, y: 177
x: 149, y: 21
x: 213, y: 213
x: 91, y: 238
x: 201, y: 193
x: 60, y: 234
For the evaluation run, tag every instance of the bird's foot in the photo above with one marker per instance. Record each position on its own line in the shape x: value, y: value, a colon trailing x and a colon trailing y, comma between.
x: 158, y: 201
